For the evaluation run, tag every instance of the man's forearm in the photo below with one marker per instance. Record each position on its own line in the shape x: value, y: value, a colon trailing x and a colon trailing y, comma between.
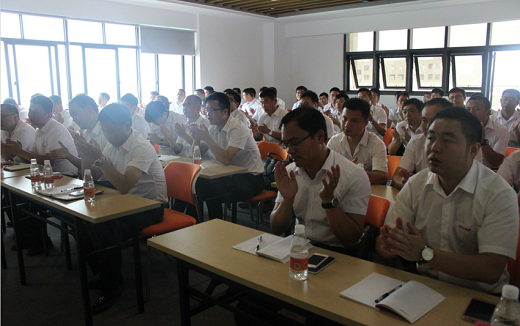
x: 219, y: 153
x: 27, y: 156
x: 492, y: 157
x: 117, y: 179
x: 281, y: 217
x: 380, y: 128
x: 393, y: 147
x: 344, y: 227
x: 397, y: 179
x: 377, y: 177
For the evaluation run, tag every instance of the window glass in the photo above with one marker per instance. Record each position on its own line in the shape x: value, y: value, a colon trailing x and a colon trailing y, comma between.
x: 148, y: 79
x: 3, y: 72
x: 505, y: 32
x: 393, y: 40
x: 170, y: 75
x: 34, y: 73
x: 361, y: 42
x: 395, y: 71
x: 76, y: 70
x: 188, y: 74
x: 120, y: 34
x: 127, y: 71
x: 468, y: 71
x: 101, y: 72
x: 468, y: 35
x: 62, y: 62
x: 430, y: 37
x: 84, y: 31
x: 507, y: 70
x: 43, y: 28
x: 430, y: 68
x: 364, y: 69
x: 10, y: 25
x: 54, y: 71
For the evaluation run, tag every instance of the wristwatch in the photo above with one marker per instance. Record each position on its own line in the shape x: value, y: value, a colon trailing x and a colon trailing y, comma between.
x: 485, y: 142
x: 270, y: 133
x: 333, y: 203
x: 427, y: 255
x: 99, y: 161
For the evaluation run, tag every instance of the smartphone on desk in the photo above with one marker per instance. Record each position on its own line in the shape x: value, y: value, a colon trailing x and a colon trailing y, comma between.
x: 317, y: 262
x: 478, y: 311
x: 77, y: 193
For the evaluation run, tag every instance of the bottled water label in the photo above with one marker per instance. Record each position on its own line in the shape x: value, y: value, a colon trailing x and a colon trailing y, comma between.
x: 299, y: 264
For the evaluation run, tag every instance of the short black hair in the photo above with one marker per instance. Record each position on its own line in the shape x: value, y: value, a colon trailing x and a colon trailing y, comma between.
x: 44, y: 102
x: 200, y: 90
x: 83, y: 100
x: 164, y: 100
x: 182, y: 90
x: 209, y: 89
x: 457, y: 90
x: 275, y: 91
x: 236, y: 96
x: 154, y: 110
x: 483, y: 99
x: 439, y: 91
x: 310, y: 94
x: 512, y: 91
x: 223, y: 100
x: 236, y: 89
x: 10, y: 100
x: 269, y: 93
x: 154, y: 93
x: 308, y: 119
x: 357, y: 104
x: 376, y: 90
x: 364, y: 89
x: 343, y: 96
x: 439, y: 101
x: 401, y: 94
x: 55, y: 99
x: 334, y: 89
x: 262, y: 89
x: 131, y: 99
x: 415, y: 102
x: 11, y: 109
x: 227, y: 90
x: 324, y: 94
x: 197, y: 99
x: 250, y: 91
x: 471, y: 126
x: 301, y: 88
x: 105, y: 95
x: 115, y: 113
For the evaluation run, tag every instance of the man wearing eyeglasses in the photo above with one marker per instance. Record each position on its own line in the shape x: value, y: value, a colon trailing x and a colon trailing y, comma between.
x: 231, y: 143
x: 509, y: 117
x: 324, y: 190
x: 457, y: 96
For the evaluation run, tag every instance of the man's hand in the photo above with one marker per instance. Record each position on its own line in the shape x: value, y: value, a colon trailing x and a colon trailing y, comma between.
x: 91, y: 150
x: 385, y: 108
x: 180, y: 129
x: 406, y: 175
x: 252, y: 111
x: 327, y: 192
x: 397, y: 242
x: 12, y: 147
x: 396, y: 137
x: 407, y: 136
x: 60, y: 153
x: 264, y: 129
x: 199, y: 132
x: 286, y: 182
x: 58, y: 117
x: 154, y: 138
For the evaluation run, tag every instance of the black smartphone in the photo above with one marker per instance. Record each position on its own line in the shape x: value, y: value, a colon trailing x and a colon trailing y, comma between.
x: 316, y: 259
x: 321, y: 266
x: 478, y: 311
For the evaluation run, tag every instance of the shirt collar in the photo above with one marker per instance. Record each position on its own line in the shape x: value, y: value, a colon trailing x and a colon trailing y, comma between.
x: 489, y: 124
x: 326, y: 165
x: 277, y: 112
x: 468, y: 183
x: 47, y: 126
x: 128, y: 142
x: 227, y: 125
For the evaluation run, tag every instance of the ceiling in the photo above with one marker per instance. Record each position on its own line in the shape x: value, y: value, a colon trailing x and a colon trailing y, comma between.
x: 282, y: 8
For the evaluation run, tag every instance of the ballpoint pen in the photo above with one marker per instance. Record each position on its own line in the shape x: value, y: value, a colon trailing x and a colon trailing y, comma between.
x: 384, y: 296
x: 69, y: 189
x: 258, y: 244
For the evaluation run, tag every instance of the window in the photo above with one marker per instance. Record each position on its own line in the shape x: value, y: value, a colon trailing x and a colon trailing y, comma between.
x: 148, y: 80
x: 400, y: 77
x: 43, y: 28
x: 392, y: 64
x: 10, y: 25
x: 428, y: 38
x: 128, y: 71
x: 120, y: 34
x: 422, y: 76
x: 468, y: 71
x: 367, y: 67
x: 430, y: 66
x: 468, y: 35
x: 33, y: 71
x: 4, y: 81
x: 101, y: 72
x: 170, y: 75
x: 434, y: 65
x: 188, y: 74
x: 84, y: 31
x: 437, y: 77
x: 76, y: 69
x: 503, y: 33
x: 392, y: 77
x: 393, y: 40
x: 505, y: 75
x: 359, y: 72
x: 366, y: 77
x: 361, y: 42
x: 430, y: 76
x: 358, y: 81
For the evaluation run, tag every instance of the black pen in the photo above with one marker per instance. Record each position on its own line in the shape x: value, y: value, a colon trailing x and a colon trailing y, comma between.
x: 384, y: 296
x: 75, y: 188
x: 258, y: 244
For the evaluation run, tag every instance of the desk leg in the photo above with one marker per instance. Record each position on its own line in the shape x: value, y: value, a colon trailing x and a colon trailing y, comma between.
x: 17, y: 235
x: 183, y: 274
x: 234, y: 212
x: 83, y: 273
x: 138, y: 273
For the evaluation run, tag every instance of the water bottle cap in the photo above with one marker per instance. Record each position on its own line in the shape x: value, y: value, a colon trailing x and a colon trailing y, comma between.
x: 87, y: 171
x: 510, y: 292
x: 300, y: 228
x: 33, y: 161
x: 47, y: 162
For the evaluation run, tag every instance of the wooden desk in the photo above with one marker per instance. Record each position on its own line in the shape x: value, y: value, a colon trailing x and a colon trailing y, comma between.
x: 210, y: 169
x: 208, y: 247
x: 107, y: 206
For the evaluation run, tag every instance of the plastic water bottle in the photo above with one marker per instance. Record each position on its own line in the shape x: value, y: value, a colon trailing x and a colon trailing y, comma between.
x: 197, y: 158
x: 35, y: 174
x: 47, y: 174
x: 89, y: 191
x: 299, y: 254
x: 507, y: 311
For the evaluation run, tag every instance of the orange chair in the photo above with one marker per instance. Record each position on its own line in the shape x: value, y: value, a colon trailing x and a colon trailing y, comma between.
x: 266, y: 147
x: 387, y: 138
x: 513, y: 267
x: 180, y: 178
x: 376, y: 212
x: 510, y: 151
x: 393, y: 162
x: 157, y: 148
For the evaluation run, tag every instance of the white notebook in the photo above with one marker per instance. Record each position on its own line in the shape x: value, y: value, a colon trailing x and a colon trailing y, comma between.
x: 271, y: 246
x: 410, y: 300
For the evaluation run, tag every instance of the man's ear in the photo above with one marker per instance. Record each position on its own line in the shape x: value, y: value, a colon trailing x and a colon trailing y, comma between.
x: 474, y: 149
x: 320, y: 135
x: 165, y: 114
x: 127, y: 126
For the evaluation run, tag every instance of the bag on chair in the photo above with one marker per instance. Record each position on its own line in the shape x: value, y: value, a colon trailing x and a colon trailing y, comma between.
x: 269, y: 165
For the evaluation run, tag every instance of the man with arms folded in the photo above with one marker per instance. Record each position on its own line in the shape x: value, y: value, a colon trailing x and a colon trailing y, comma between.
x: 509, y: 117
x: 14, y: 129
x: 414, y: 158
x: 405, y: 130
x: 234, y: 101
x: 324, y: 190
x: 130, y: 164
x: 457, y: 96
x: 358, y: 145
x: 310, y: 99
x: 139, y: 124
x: 494, y: 136
x: 299, y: 91
x: 163, y: 123
x: 231, y: 142
x: 458, y: 220
x: 377, y: 116
x: 269, y: 122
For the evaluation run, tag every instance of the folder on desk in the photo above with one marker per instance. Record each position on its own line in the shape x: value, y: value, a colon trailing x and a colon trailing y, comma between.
x: 17, y: 167
x: 63, y: 193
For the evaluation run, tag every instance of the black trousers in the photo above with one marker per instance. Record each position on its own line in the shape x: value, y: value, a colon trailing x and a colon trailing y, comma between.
x: 234, y: 188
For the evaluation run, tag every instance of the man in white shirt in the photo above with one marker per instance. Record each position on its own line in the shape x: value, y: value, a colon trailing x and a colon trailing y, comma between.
x: 324, y: 101
x: 309, y: 98
x: 139, y: 124
x: 14, y: 129
x: 334, y: 91
x: 269, y: 122
x: 279, y: 101
x: 231, y: 143
x: 358, y: 145
x: 200, y: 93
x: 58, y: 113
x: 509, y: 117
x: 377, y: 117
x: 427, y: 97
x: 22, y: 112
x: 234, y: 101
x: 103, y: 100
x: 414, y: 159
x: 299, y: 91
x: 405, y: 130
x: 251, y: 106
x: 396, y: 114
x: 131, y: 166
x: 457, y: 96
x: 376, y: 96
x: 177, y: 106
x: 163, y: 126
x: 325, y: 191
x: 495, y: 136
x: 510, y: 170
x: 459, y: 222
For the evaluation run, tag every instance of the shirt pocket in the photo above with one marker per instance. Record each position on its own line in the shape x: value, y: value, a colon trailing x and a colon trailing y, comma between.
x: 465, y: 231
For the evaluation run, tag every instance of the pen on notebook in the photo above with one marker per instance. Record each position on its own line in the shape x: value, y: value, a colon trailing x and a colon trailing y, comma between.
x: 258, y: 244
x: 69, y: 189
x: 384, y: 296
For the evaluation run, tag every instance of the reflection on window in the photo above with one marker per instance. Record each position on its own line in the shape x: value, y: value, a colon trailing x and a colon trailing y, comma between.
x: 101, y: 72
x: 433, y: 71
x: 430, y: 37
x: 148, y: 80
x: 84, y: 31
x: 127, y: 71
x: 505, y: 32
x: 170, y: 75
x: 33, y: 71
x: 76, y: 70
x: 468, y: 71
x: 3, y: 72
x: 361, y: 42
x: 42, y: 28
x: 10, y: 25
x: 393, y: 64
x: 393, y: 40
x: 188, y: 74
x: 364, y: 80
x: 120, y: 34
x: 468, y: 35
x: 507, y: 70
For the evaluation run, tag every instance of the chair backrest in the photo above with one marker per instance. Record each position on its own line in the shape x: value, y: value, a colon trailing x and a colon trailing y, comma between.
x: 393, y: 162
x: 376, y: 212
x: 387, y: 138
x: 268, y: 147
x: 510, y: 150
x: 157, y: 148
x: 180, y: 177
x: 513, y: 267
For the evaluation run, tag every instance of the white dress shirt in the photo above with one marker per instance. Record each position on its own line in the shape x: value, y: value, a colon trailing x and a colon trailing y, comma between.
x: 414, y: 157
x: 255, y: 105
x: 352, y: 191
x: 409, y: 131
x: 371, y: 151
x: 186, y: 147
x: 22, y: 132
x: 295, y: 105
x: 510, y: 169
x: 46, y: 139
x: 330, y: 126
x: 177, y: 108
x: 479, y: 216
x: 96, y: 134
x: 172, y: 119
x: 509, y: 125
x: 23, y: 113
x: 394, y: 116
x: 272, y: 122
x: 236, y: 134
x: 498, y: 137
x: 136, y: 151
x: 281, y: 103
x: 140, y: 125
x: 238, y: 114
x: 380, y: 117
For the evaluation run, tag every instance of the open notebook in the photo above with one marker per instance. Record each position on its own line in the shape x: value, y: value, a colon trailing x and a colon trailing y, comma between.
x: 271, y: 246
x: 17, y: 167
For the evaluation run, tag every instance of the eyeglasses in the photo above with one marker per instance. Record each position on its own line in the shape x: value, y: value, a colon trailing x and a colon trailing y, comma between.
x: 293, y: 144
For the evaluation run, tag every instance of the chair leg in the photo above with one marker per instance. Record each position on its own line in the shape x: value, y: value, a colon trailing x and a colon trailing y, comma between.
x: 148, y: 272
x: 259, y: 215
